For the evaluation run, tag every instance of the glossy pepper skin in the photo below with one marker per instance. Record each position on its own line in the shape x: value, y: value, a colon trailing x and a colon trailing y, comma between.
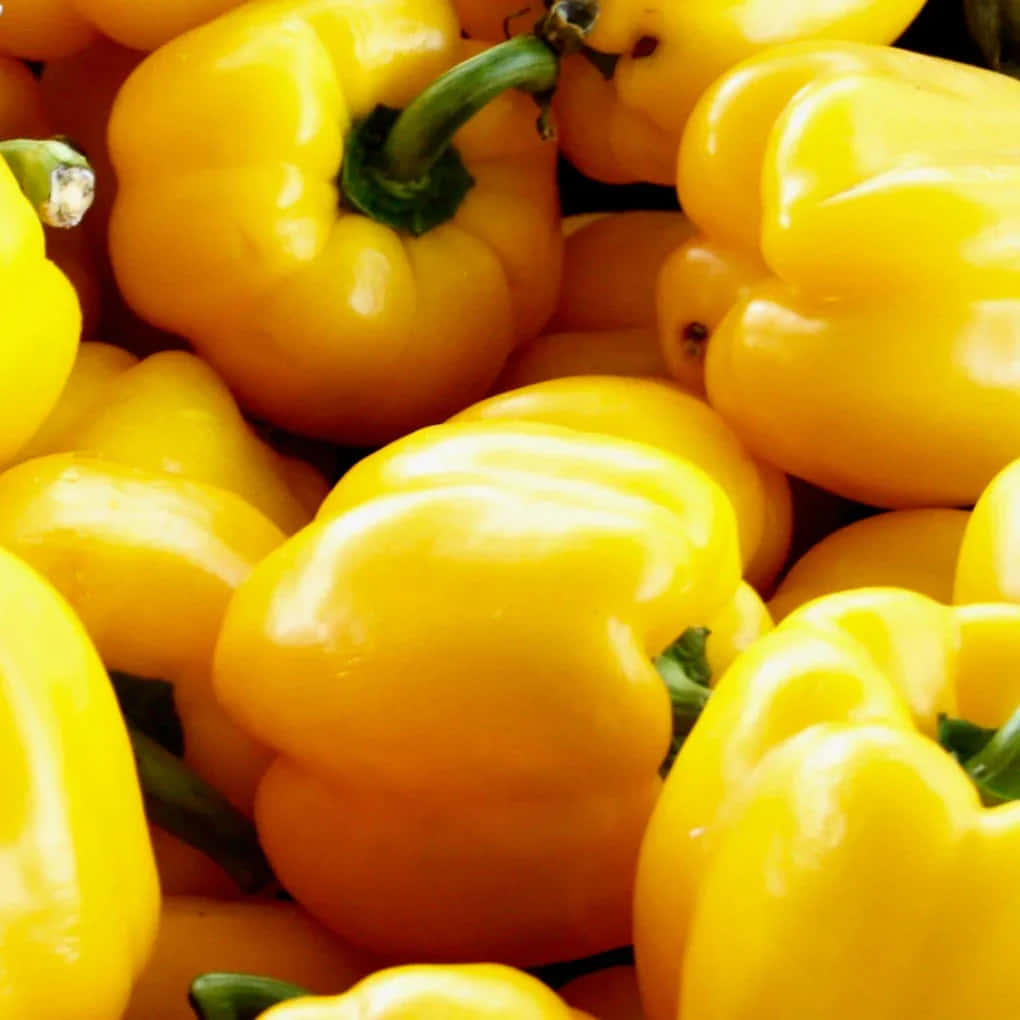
x: 987, y: 567
x: 148, y: 561
x: 323, y: 321
x: 661, y: 415
x: 604, y: 322
x: 250, y: 936
x: 40, y: 317
x: 75, y: 931
x: 463, y: 992
x: 912, y: 549
x: 493, y: 449
x: 810, y: 821
x: 49, y: 29
x: 628, y: 128
x: 477, y: 690
x: 873, y: 156
x: 171, y: 413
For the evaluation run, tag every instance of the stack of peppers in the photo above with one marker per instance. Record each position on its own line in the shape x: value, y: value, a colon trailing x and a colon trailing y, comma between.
x: 420, y: 603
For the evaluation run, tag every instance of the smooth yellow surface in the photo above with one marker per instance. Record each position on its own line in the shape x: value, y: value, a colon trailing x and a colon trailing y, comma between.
x: 454, y: 664
x: 810, y: 822
x: 171, y: 413
x: 321, y: 320
x: 736, y: 627
x: 456, y: 992
x: 912, y: 549
x: 148, y: 562
x: 80, y: 898
x: 40, y: 322
x: 610, y: 266
x: 661, y: 415
x: 604, y: 322
x: 264, y: 937
x: 628, y: 129
x: 988, y: 569
x: 877, y: 359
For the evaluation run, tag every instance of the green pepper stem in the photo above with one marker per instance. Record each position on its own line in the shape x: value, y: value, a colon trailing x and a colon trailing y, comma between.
x: 425, y: 129
x: 55, y: 178
x: 995, y: 769
x: 190, y: 809
x: 221, y: 996
x: 148, y: 706
x: 685, y: 671
x: 400, y: 167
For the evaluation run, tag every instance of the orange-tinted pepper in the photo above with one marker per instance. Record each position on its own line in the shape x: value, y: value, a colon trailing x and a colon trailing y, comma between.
x: 604, y: 323
x: 912, y: 549
x: 251, y: 936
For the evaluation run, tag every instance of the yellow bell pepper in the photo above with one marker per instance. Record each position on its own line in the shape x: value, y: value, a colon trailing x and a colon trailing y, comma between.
x: 148, y: 561
x: 251, y: 936
x: 359, y: 310
x: 453, y: 992
x: 75, y: 930
x: 912, y: 549
x: 610, y: 994
x: 473, y: 624
x: 862, y: 179
x: 49, y: 29
x: 171, y: 413
x: 987, y: 567
x: 811, y: 822
x: 647, y: 411
x: 604, y: 322
x: 492, y: 449
x: 41, y: 319
x: 627, y: 127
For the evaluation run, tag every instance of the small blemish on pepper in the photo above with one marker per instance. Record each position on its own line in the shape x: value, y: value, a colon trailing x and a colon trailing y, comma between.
x: 692, y: 338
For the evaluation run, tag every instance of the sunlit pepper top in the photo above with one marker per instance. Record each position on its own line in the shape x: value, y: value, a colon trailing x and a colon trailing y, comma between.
x: 424, y: 992
x: 473, y: 617
x: 171, y: 413
x: 811, y: 821
x: 663, y: 416
x: 322, y: 319
x: 874, y: 356
x: 80, y: 900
